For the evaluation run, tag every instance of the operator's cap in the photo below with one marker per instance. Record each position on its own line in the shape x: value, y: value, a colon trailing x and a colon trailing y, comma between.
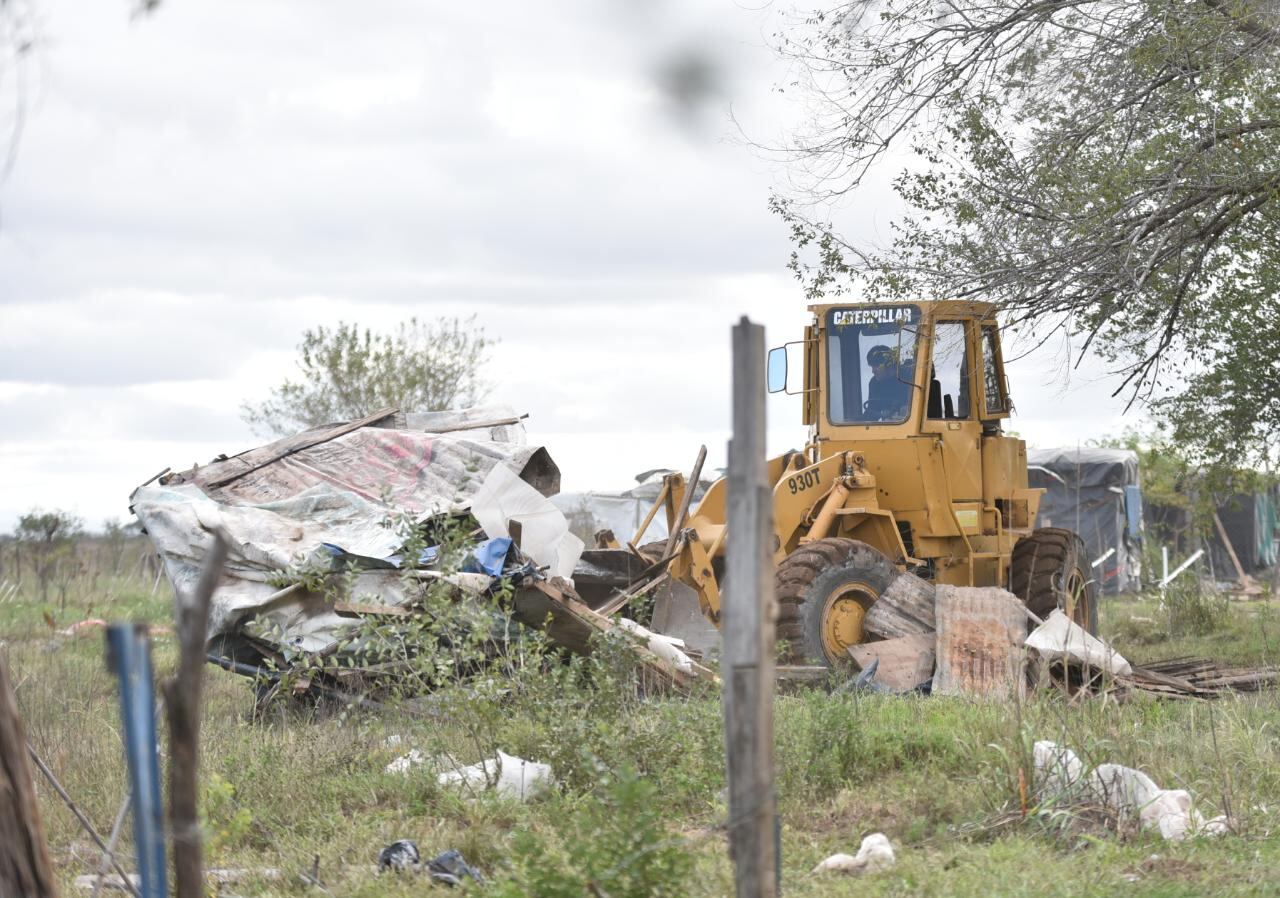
x: 879, y: 355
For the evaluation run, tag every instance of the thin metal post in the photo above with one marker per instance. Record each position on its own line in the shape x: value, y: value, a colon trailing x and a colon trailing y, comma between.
x: 747, y: 627
x: 129, y: 656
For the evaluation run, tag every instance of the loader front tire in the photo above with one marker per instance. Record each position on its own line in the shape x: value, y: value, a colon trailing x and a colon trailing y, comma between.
x: 824, y: 589
x: 1049, y: 570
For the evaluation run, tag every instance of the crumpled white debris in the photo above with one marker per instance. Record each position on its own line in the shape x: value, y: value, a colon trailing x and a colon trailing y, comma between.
x: 1171, y: 811
x: 875, y: 855
x: 668, y: 648
x: 405, y: 763
x: 1058, y: 771
x: 544, y: 532
x: 510, y: 776
x: 1059, y: 637
x: 1060, y: 774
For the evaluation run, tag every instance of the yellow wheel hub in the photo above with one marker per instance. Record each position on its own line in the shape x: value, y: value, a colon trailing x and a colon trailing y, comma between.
x: 842, y: 616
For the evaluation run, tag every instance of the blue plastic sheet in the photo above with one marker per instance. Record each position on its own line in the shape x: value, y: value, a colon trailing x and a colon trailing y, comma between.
x: 488, y: 557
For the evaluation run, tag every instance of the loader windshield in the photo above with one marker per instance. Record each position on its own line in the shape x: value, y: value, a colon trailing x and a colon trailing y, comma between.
x: 871, y: 363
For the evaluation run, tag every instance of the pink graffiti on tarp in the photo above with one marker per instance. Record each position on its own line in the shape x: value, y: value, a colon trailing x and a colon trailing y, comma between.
x: 382, y: 466
x: 392, y: 465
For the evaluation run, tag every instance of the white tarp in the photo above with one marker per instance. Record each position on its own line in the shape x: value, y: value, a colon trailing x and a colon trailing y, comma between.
x: 281, y: 504
x: 544, y: 532
x: 1059, y: 638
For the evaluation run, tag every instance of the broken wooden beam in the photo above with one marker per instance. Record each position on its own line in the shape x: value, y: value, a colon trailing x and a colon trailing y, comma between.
x: 905, y: 608
x: 572, y: 625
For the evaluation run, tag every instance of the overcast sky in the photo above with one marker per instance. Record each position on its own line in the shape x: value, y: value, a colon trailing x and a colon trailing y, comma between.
x: 194, y: 188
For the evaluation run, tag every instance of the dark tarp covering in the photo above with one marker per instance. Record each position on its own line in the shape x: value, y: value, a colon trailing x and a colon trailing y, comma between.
x: 1252, y: 525
x: 1088, y: 490
x: 1250, y: 522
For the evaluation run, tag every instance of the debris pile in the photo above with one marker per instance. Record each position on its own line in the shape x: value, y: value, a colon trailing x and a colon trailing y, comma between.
x: 317, y: 526
x: 507, y: 775
x: 974, y: 641
x: 944, y: 639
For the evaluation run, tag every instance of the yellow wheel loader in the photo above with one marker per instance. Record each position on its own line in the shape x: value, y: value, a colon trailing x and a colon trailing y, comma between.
x: 906, y: 468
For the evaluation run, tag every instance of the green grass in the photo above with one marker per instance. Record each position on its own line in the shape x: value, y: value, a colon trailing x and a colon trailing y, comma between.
x: 938, y: 775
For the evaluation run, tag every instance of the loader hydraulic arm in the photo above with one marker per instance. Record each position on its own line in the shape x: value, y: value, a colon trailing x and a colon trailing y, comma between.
x: 809, y: 501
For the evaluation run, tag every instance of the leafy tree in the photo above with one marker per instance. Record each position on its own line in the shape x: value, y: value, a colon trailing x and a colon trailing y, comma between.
x: 349, y: 372
x: 48, y: 539
x: 1107, y: 168
x: 1171, y: 477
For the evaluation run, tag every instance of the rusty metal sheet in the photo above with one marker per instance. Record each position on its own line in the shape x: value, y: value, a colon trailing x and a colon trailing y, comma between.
x: 979, y: 645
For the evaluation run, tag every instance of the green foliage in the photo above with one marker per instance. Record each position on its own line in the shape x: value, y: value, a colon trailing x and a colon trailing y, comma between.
x: 448, y: 636
x: 1100, y: 168
x: 349, y: 372
x: 1193, y: 610
x: 225, y: 821
x: 1171, y: 475
x: 616, y: 844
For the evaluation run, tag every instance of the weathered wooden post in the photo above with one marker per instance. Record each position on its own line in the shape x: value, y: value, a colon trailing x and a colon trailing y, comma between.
x: 182, y: 706
x: 748, y: 629
x: 25, y: 869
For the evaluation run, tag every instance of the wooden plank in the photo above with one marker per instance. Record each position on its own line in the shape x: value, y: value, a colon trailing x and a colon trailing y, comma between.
x: 905, y: 662
x: 622, y: 598
x: 475, y: 425
x: 25, y: 868
x: 981, y: 631
x: 572, y: 622
x: 748, y: 629
x: 690, y: 487
x: 1247, y: 583
x: 905, y: 608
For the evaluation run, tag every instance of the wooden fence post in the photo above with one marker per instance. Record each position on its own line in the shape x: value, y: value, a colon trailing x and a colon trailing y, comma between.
x: 182, y: 706
x: 748, y: 630
x: 25, y: 869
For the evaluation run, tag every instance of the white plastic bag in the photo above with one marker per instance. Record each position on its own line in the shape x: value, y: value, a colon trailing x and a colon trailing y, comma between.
x: 874, y: 855
x: 511, y: 777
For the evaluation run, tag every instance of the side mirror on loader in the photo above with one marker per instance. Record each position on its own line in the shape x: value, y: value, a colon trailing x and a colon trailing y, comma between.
x: 777, y: 370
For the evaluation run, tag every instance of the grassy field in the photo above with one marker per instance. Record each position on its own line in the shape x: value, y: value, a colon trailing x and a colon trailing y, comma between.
x: 639, y: 808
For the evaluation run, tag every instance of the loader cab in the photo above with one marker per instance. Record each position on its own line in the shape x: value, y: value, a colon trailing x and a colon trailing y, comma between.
x: 903, y: 366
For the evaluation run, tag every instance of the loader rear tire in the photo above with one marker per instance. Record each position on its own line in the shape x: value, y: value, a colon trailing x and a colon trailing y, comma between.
x: 1050, y: 570
x: 824, y: 589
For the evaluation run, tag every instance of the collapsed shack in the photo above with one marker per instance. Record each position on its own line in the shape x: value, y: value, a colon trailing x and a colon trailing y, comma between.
x: 345, y: 527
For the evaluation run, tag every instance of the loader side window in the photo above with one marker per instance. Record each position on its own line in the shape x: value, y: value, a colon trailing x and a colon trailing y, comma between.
x: 992, y: 376
x: 949, y: 377
x: 871, y: 363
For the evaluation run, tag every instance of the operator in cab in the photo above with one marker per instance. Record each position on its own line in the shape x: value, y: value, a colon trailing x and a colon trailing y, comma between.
x: 888, y: 396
